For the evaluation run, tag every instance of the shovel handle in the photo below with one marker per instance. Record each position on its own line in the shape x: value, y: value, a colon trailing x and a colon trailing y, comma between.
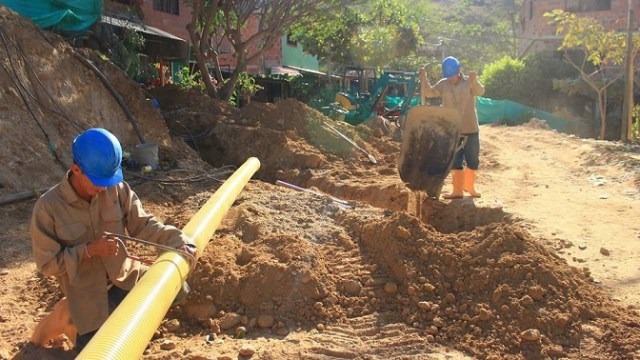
x: 371, y: 158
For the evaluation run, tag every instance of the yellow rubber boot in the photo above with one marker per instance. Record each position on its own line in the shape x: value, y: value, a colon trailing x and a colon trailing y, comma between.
x: 457, y: 178
x: 469, y: 182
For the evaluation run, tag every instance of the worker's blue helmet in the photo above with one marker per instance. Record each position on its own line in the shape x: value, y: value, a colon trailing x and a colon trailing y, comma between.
x: 99, y: 154
x: 450, y: 67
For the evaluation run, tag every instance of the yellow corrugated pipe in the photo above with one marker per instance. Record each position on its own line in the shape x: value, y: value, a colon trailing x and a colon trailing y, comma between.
x: 127, y: 332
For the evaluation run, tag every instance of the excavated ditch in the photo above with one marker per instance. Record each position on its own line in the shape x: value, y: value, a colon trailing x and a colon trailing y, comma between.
x: 445, y: 273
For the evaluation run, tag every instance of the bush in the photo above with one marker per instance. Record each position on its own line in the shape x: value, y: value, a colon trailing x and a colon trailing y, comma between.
x: 187, y: 79
x: 503, y: 79
x: 540, y: 70
x: 528, y: 81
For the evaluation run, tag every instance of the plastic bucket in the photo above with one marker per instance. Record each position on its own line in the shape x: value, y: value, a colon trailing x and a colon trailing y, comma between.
x: 146, y: 155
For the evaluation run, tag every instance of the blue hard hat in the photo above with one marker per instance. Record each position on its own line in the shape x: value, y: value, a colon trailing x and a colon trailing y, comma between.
x: 450, y: 67
x: 99, y: 154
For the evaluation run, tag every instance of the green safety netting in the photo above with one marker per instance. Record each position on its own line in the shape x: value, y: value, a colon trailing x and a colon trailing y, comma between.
x: 62, y: 15
x: 490, y: 110
x: 396, y: 101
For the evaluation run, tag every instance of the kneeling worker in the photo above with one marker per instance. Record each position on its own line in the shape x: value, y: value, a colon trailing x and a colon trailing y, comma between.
x: 68, y: 227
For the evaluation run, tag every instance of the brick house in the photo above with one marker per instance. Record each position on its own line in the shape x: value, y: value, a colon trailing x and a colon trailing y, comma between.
x: 282, y: 54
x: 537, y: 34
x: 173, y: 16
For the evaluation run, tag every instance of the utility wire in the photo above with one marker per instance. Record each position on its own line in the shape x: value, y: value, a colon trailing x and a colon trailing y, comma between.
x: 86, y: 62
x: 60, y: 111
x: 21, y: 89
x: 213, y: 175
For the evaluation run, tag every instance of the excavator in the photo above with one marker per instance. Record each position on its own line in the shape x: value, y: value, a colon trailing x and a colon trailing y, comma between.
x: 363, y: 94
x: 430, y: 134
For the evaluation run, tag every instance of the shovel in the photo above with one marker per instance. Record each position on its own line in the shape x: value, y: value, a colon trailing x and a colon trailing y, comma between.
x: 371, y: 158
x: 339, y: 202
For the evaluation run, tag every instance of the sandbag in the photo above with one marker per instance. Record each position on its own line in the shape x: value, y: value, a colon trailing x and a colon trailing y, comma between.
x: 430, y: 140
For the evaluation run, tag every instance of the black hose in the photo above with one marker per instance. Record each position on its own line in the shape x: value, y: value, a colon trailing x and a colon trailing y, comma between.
x: 21, y: 89
x: 201, y: 177
x: 115, y: 94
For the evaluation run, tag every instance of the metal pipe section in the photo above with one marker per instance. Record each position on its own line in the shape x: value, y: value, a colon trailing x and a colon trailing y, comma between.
x: 128, y: 330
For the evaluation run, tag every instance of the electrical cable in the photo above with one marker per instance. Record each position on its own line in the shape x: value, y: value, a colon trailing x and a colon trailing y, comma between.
x: 121, y: 238
x: 60, y: 112
x: 114, y: 93
x: 190, y: 136
x: 20, y: 87
x: 225, y: 170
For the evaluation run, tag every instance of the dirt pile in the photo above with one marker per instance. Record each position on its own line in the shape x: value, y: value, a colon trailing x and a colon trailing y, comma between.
x: 459, y: 276
x: 383, y: 274
x: 51, y: 92
x: 493, y: 290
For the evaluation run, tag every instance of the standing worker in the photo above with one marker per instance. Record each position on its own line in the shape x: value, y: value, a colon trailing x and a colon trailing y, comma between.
x: 458, y: 92
x: 68, y: 232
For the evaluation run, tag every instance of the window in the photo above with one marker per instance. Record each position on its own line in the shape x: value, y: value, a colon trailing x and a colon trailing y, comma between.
x: 588, y: 5
x: 168, y: 6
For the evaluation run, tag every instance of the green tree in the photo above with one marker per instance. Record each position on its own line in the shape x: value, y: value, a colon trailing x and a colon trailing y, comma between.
x: 528, y: 81
x: 596, y: 47
x: 226, y: 20
x: 477, y: 32
x: 329, y: 36
x: 540, y: 71
x: 366, y: 33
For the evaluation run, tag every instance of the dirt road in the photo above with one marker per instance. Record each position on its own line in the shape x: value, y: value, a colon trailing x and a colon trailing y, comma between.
x: 579, y: 195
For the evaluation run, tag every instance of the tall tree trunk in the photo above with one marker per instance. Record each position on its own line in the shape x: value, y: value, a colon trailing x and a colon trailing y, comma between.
x: 603, y: 112
x: 202, y: 63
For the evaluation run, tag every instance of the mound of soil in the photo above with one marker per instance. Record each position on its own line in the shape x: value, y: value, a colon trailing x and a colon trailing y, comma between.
x: 51, y: 92
x: 354, y: 266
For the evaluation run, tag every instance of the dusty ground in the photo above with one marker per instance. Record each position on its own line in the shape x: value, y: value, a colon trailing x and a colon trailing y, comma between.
x: 544, y: 265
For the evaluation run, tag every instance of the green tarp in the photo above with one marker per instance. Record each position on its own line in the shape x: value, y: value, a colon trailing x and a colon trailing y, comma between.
x: 396, y: 101
x: 61, y: 15
x: 490, y: 110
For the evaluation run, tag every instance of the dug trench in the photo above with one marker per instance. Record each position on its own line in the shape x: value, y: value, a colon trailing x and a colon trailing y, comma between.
x: 293, y: 274
x: 394, y: 276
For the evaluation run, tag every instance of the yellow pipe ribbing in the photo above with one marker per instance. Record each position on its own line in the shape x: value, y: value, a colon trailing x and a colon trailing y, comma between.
x: 127, y: 332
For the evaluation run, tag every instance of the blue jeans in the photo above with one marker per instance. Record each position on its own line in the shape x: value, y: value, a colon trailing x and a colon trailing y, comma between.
x: 470, y: 153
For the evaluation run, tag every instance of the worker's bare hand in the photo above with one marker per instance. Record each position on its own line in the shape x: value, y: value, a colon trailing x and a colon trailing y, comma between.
x: 472, y: 76
x: 105, y: 245
x: 193, y: 251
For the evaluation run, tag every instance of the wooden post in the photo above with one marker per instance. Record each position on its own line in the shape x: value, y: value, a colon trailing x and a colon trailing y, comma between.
x: 627, y: 108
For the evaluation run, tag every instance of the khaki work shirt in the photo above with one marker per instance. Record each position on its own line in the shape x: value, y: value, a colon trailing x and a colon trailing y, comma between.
x: 62, y: 224
x: 461, y: 96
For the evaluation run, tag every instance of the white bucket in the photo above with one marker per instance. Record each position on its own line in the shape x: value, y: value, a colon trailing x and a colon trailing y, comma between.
x: 146, y: 155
